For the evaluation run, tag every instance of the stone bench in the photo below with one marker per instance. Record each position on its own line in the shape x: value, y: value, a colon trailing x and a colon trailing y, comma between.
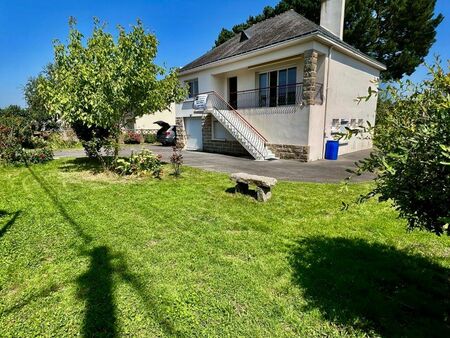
x: 263, y: 185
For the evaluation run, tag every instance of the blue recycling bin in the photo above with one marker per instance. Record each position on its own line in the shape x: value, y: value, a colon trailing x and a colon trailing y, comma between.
x: 332, y: 150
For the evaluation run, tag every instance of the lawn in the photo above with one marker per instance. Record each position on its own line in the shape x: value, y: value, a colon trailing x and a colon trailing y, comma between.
x: 84, y: 254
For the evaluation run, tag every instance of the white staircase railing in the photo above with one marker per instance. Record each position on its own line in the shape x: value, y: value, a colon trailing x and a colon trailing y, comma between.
x: 238, y: 126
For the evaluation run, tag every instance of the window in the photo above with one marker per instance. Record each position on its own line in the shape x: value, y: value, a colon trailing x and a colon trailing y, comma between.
x: 263, y: 90
x: 193, y: 88
x: 219, y: 132
x: 278, y: 88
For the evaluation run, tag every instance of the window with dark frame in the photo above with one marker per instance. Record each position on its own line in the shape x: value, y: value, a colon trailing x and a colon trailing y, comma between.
x: 278, y: 88
x: 192, y: 88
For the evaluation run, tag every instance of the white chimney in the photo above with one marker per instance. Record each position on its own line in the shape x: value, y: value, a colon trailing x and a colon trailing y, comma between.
x: 332, y: 16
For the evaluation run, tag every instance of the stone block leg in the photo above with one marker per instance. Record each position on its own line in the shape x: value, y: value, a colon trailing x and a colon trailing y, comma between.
x: 263, y: 194
x: 241, y: 188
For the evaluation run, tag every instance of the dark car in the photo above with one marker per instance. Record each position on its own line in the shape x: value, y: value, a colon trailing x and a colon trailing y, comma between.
x: 167, y: 135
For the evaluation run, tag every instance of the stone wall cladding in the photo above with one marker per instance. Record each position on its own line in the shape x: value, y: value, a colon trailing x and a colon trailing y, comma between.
x: 290, y: 152
x: 181, y: 133
x: 310, y: 77
x: 221, y: 147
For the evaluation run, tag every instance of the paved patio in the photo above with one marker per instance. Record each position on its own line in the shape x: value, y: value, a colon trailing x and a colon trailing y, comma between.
x: 318, y: 171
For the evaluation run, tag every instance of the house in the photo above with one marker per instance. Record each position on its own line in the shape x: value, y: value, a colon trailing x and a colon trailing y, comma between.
x: 147, y: 121
x: 279, y: 89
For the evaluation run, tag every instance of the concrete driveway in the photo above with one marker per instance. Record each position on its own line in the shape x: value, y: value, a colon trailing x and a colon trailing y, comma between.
x: 289, y: 170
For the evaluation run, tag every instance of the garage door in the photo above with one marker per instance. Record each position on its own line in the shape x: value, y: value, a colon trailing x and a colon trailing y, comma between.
x: 194, y: 139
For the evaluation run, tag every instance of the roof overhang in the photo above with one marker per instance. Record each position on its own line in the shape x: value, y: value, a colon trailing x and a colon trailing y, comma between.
x: 316, y: 35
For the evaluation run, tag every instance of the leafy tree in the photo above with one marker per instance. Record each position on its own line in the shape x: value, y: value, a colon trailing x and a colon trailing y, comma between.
x: 106, y: 82
x: 398, y: 33
x: 37, y: 112
x: 411, y: 159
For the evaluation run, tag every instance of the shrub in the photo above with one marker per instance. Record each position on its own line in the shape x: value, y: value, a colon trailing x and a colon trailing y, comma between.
x: 19, y: 128
x: 150, y: 138
x: 11, y: 151
x: 10, y: 147
x: 177, y: 161
x: 35, y: 156
x: 37, y: 142
x: 57, y: 141
x: 132, y: 137
x: 411, y: 156
x: 142, y: 163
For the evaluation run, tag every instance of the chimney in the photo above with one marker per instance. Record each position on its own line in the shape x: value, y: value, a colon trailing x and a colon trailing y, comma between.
x: 332, y: 16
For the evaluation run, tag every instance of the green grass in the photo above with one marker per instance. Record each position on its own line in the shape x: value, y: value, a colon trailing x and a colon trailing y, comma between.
x: 95, y: 255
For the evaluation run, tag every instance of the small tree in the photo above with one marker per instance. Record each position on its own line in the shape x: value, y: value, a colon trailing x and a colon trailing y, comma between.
x: 108, y: 82
x: 411, y: 159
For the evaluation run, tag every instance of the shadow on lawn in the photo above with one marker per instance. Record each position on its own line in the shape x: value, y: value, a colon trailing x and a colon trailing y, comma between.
x: 250, y: 192
x: 97, y: 288
x: 373, y: 287
x: 82, y: 164
x: 59, y: 205
x: 10, y: 222
x: 97, y: 284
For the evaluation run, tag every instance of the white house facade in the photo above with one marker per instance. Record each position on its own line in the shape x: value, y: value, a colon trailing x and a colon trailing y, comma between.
x: 279, y: 89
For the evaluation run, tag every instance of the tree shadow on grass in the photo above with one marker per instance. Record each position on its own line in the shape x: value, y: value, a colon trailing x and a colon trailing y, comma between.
x: 373, y: 287
x: 10, y: 222
x: 82, y: 164
x: 96, y: 285
x: 51, y: 193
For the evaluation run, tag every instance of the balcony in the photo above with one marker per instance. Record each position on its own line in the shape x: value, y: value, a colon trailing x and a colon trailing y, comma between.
x: 278, y: 96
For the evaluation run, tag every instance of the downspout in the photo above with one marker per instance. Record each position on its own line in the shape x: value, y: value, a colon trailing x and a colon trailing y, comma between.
x: 326, y: 101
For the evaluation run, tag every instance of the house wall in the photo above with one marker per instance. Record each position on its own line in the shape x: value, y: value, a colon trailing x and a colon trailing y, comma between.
x: 214, y: 78
x: 147, y: 121
x: 344, y: 78
x: 280, y: 125
x: 349, y: 79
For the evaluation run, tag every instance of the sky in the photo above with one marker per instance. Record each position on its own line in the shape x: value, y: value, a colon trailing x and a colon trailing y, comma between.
x: 184, y: 29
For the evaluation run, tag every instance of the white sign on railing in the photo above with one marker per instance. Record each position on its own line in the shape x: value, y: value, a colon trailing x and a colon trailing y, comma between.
x: 200, y: 102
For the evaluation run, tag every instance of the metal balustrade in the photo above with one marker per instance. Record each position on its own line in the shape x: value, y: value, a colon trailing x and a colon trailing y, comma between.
x: 277, y: 96
x: 239, y: 127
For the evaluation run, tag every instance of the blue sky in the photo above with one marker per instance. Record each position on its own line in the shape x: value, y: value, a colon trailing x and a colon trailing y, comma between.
x: 183, y: 28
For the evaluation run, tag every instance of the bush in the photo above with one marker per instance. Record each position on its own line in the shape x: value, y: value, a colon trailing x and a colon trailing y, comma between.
x: 11, y: 151
x: 37, y: 142
x: 19, y: 128
x: 57, y: 141
x: 142, y: 163
x: 35, y: 156
x: 10, y: 147
x: 132, y: 137
x: 411, y: 157
x: 177, y: 161
x: 150, y: 138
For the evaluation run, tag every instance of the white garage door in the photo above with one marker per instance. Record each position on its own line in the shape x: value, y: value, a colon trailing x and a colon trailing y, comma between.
x: 193, y: 133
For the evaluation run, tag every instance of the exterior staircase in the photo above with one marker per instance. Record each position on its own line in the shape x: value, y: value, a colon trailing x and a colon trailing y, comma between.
x: 237, y: 126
